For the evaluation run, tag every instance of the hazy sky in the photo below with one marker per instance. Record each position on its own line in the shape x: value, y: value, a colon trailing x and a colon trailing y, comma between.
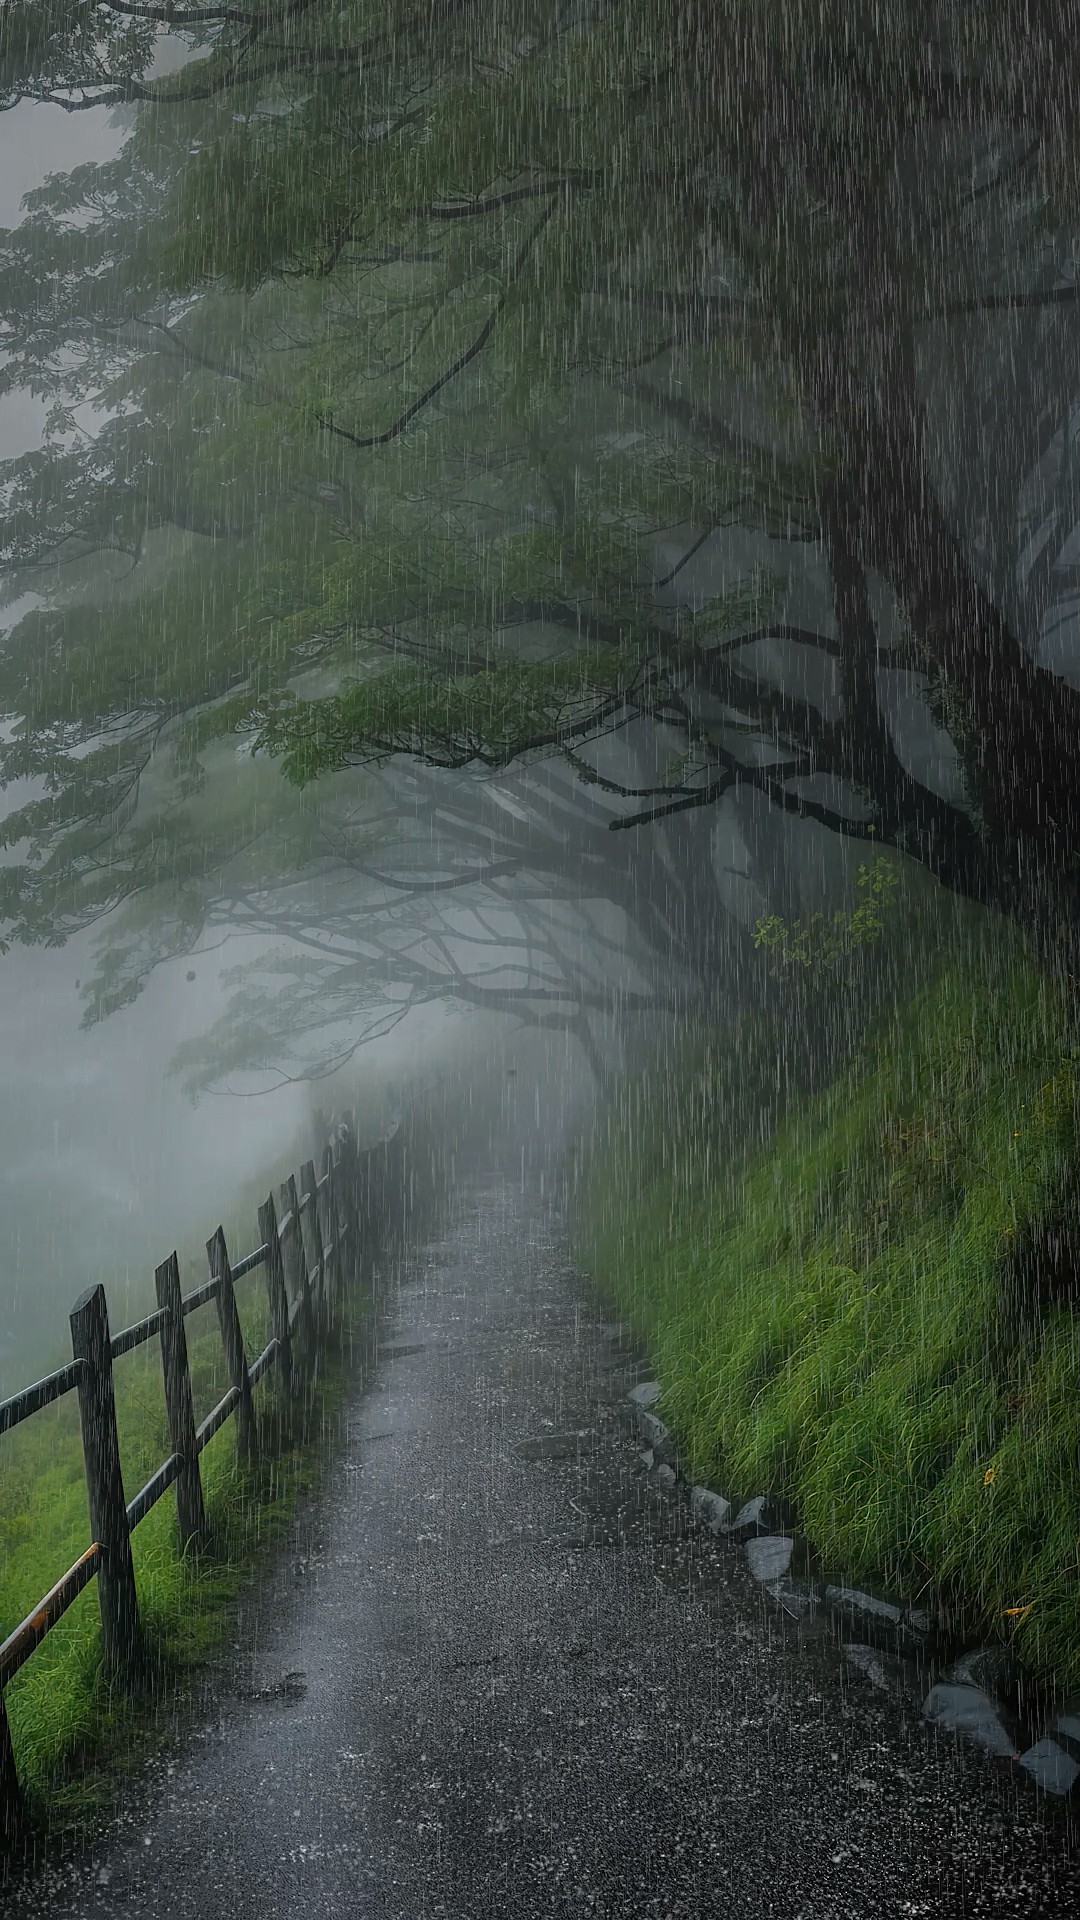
x: 102, y: 1161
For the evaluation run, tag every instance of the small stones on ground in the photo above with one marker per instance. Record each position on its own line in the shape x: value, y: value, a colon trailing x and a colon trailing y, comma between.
x: 769, y: 1555
x: 291, y: 1686
x: 709, y: 1507
x: 666, y: 1475
x: 1051, y: 1768
x: 971, y: 1712
x: 646, y: 1393
x: 553, y: 1446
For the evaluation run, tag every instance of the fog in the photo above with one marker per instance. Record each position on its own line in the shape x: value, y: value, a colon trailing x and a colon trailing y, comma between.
x: 105, y: 1165
x: 291, y: 951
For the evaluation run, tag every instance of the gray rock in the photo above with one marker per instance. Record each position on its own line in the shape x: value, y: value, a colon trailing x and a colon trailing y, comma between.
x: 889, y: 1672
x: 992, y: 1668
x: 969, y: 1712
x: 854, y: 1600
x: 667, y: 1476
x: 652, y: 1430
x: 710, y: 1508
x: 646, y: 1393
x: 762, y: 1514
x: 769, y: 1555
x: 875, y: 1619
x: 797, y: 1598
x: 1066, y: 1725
x: 1051, y: 1768
x: 869, y: 1662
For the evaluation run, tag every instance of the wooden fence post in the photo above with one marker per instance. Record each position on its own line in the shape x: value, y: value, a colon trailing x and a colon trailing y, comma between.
x: 295, y: 1259
x: 278, y: 1295
x: 232, y: 1339
x: 190, y: 1512
x: 346, y: 1187
x: 315, y: 1243
x: 105, y: 1482
x: 11, y: 1801
x: 333, y: 1235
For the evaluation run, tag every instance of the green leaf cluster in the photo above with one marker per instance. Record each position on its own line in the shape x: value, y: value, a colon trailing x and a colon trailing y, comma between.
x: 819, y: 943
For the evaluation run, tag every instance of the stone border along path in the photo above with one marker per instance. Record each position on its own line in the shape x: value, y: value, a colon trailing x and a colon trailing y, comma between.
x: 985, y: 1696
x: 498, y: 1673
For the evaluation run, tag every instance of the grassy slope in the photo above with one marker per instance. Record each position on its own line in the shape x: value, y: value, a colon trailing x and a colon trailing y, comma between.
x: 858, y: 1316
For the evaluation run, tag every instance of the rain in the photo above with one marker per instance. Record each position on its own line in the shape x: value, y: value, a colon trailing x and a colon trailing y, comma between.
x: 539, y: 936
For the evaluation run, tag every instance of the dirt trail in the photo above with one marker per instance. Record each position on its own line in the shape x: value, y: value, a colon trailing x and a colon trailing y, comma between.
x: 499, y: 1673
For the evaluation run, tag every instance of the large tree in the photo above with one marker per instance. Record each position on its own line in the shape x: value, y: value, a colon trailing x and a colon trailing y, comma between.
x: 436, y: 345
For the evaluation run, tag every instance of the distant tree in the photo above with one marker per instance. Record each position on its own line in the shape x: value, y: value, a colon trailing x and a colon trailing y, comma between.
x: 417, y: 329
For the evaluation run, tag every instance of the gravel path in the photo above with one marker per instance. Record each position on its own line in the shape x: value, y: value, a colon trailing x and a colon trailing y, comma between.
x: 500, y: 1673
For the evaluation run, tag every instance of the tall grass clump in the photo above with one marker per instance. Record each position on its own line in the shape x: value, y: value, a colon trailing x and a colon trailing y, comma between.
x: 876, y: 1312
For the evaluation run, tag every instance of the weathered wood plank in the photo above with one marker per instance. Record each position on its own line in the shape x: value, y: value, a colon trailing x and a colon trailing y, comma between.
x: 190, y: 1509
x: 316, y: 1262
x: 278, y: 1296
x: 232, y: 1339
x: 12, y: 1809
x: 297, y: 1274
x: 23, y: 1639
x: 22, y: 1406
x: 105, y: 1483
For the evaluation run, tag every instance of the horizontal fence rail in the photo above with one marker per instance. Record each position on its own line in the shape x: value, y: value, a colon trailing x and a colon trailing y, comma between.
x: 42, y: 1394
x: 308, y: 1254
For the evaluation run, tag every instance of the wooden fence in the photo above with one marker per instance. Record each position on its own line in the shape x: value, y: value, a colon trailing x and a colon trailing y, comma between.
x: 309, y: 1252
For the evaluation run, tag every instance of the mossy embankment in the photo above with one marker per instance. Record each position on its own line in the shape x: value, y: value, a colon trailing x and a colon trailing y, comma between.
x: 876, y: 1311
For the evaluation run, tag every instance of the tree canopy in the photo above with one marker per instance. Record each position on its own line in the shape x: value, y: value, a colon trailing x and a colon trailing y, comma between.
x: 409, y: 364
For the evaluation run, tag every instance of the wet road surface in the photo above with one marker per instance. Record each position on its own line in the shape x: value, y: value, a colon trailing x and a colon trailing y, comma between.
x: 499, y: 1672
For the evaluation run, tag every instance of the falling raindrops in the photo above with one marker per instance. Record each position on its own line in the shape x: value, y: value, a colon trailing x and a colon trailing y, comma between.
x: 540, y: 561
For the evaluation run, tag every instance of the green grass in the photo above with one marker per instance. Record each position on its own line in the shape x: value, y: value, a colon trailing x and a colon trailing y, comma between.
x: 73, y: 1732
x: 870, y: 1313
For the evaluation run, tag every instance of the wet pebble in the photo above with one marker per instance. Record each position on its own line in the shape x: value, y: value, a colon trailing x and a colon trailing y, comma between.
x: 971, y: 1713
x: 797, y: 1597
x: 762, y: 1514
x: 880, y: 1621
x: 992, y: 1668
x: 652, y: 1430
x: 769, y: 1555
x: 710, y: 1508
x: 646, y: 1393
x: 1051, y: 1768
x: 888, y: 1672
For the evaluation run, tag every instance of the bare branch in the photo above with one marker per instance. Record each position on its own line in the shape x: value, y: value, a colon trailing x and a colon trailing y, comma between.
x: 469, y: 353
